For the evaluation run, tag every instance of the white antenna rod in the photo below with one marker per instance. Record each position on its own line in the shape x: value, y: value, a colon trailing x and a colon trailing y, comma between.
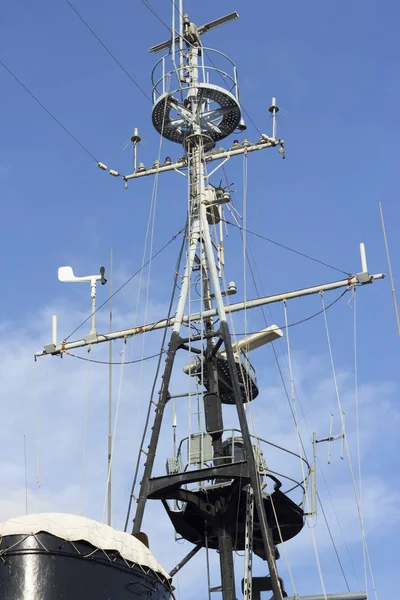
x: 135, y: 139
x: 390, y: 271
x: 26, y: 478
x: 364, y: 267
x: 54, y: 330
x: 274, y: 109
x: 313, y: 478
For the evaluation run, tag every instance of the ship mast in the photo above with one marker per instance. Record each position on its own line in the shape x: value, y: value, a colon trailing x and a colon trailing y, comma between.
x: 191, y: 107
x: 198, y: 128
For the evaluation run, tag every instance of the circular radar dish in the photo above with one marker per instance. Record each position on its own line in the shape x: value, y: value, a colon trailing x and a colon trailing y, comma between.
x: 219, y: 113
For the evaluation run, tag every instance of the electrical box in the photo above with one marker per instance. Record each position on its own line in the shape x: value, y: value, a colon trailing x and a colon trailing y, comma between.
x: 200, y: 448
x: 172, y: 466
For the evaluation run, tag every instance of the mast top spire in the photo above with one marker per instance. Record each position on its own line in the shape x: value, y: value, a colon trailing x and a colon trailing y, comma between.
x: 195, y: 94
x: 200, y: 30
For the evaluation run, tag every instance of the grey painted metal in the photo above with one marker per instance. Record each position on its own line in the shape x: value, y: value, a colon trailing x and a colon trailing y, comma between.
x: 185, y: 560
x: 162, y: 323
x: 248, y: 550
x: 227, y: 568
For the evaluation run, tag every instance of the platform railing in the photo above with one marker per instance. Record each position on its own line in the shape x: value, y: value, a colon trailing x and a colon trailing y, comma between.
x: 205, y: 459
x: 168, y: 75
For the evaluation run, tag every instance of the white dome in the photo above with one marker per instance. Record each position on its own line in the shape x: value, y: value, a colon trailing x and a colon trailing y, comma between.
x: 73, y: 528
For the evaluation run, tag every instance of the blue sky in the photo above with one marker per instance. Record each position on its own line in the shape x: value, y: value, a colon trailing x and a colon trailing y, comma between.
x: 333, y: 69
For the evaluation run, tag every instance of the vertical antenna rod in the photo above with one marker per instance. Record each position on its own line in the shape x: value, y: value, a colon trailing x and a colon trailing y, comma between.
x: 274, y: 109
x: 54, y: 330
x: 26, y: 478
x: 109, y: 403
x: 390, y: 271
x: 135, y: 139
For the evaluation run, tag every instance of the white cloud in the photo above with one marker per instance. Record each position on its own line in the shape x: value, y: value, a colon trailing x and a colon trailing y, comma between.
x: 61, y: 389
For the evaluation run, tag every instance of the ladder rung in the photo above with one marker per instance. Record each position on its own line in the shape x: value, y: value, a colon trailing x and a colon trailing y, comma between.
x: 218, y: 588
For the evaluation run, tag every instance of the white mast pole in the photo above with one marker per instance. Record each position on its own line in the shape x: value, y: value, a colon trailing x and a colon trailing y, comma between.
x: 181, y: 62
x: 26, y: 478
x: 109, y: 402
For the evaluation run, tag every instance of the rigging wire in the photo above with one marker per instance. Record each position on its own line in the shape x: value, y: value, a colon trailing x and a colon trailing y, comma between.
x: 173, y: 238
x: 36, y: 99
x: 305, y: 421
x: 396, y: 311
x: 106, y: 362
x: 107, y: 50
x: 151, y: 401
x: 294, y: 419
x: 360, y: 516
x: 305, y: 454
x: 149, y: 230
x: 293, y: 416
x: 157, y: 16
x: 300, y: 444
x: 331, y: 536
x: 85, y: 437
x: 114, y: 434
x: 37, y: 449
x: 288, y: 248
x: 306, y: 318
x: 247, y: 387
x: 358, y: 426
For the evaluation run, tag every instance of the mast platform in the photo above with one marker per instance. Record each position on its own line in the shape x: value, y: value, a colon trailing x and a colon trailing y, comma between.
x: 201, y: 526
